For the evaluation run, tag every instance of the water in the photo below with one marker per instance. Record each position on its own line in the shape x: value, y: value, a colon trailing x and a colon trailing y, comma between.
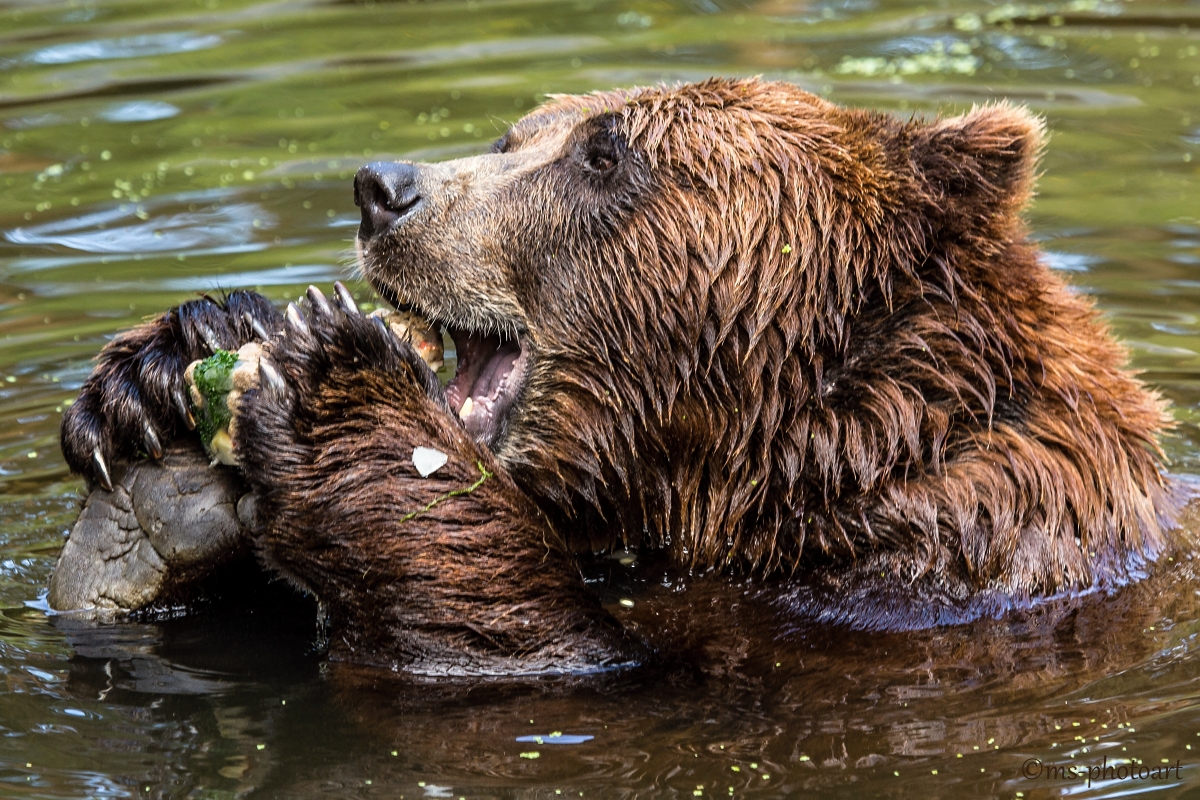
x: 152, y: 150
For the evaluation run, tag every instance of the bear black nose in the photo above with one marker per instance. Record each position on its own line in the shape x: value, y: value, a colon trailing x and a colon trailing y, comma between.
x: 385, y: 191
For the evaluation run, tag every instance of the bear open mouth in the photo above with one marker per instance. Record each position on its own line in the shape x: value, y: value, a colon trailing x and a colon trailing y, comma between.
x: 491, y: 371
x: 490, y: 374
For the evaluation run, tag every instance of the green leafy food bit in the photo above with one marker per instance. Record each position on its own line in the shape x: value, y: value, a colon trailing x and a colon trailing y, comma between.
x: 212, y: 378
x: 216, y: 385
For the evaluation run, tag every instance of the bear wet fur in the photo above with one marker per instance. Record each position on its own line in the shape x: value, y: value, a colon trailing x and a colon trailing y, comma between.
x: 762, y: 333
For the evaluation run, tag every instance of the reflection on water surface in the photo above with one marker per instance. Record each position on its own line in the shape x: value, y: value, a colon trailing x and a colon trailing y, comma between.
x: 152, y: 150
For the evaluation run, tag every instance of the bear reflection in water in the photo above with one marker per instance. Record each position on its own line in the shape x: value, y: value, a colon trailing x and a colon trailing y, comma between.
x: 805, y: 352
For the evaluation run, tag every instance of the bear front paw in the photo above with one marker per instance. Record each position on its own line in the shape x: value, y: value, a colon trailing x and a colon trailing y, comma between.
x: 166, y: 526
x: 135, y: 401
x: 317, y: 381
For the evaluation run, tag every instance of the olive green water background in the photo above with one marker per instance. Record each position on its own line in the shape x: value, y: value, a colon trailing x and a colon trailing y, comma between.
x: 153, y: 149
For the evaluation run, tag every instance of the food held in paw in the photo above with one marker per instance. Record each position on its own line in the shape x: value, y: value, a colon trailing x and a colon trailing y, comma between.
x: 424, y: 336
x: 215, y: 385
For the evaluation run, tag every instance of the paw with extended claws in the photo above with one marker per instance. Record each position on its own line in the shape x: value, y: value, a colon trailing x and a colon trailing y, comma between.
x: 357, y: 482
x: 217, y: 383
x: 374, y: 496
x: 329, y: 367
x: 135, y: 402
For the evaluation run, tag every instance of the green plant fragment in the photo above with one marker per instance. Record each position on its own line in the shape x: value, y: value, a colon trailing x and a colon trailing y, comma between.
x: 212, y: 377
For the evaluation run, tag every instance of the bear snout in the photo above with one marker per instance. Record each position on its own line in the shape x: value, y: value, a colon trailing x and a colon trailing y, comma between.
x: 386, y: 191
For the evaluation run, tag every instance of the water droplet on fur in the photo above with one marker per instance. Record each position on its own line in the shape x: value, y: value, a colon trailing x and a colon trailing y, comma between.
x: 428, y: 461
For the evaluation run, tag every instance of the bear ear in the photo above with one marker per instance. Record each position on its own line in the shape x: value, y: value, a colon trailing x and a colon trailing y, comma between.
x: 987, y: 155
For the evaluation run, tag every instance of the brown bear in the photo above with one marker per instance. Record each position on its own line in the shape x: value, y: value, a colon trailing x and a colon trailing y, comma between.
x: 728, y: 321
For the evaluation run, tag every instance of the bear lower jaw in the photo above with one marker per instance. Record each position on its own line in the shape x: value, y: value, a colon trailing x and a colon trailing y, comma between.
x: 489, y: 376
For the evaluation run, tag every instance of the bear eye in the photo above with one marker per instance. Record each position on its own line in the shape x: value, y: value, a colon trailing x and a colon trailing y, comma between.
x: 599, y: 161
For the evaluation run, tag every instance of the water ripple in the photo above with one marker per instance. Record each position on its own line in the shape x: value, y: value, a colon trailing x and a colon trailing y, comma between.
x: 1068, y: 262
x: 117, y: 88
x: 139, y: 111
x: 218, y: 229
x: 475, y: 51
x: 125, y: 47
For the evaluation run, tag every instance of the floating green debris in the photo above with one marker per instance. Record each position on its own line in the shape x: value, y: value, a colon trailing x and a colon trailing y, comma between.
x: 957, y: 59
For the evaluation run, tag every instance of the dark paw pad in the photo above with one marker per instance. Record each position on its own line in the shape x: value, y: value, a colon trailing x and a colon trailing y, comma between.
x: 165, y: 526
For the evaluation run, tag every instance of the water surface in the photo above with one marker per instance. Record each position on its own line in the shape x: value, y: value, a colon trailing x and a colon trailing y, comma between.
x: 153, y: 150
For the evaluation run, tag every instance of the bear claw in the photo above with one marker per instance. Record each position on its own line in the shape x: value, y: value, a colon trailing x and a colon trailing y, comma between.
x: 256, y: 326
x: 344, y: 298
x: 181, y: 405
x: 297, y: 319
x: 271, y: 378
x: 378, y: 320
x: 210, y: 338
x: 101, y: 470
x: 319, y: 303
x: 150, y: 437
